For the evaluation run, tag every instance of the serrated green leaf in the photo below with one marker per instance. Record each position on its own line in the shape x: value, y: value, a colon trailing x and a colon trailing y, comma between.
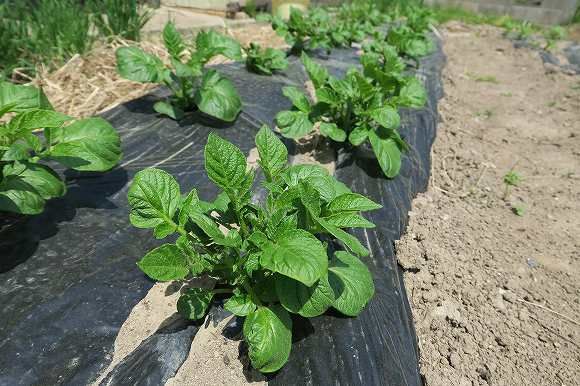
x: 351, y: 282
x: 303, y: 300
x: 273, y: 153
x: 193, y: 304
x: 268, y: 332
x: 135, y: 64
x: 225, y: 163
x: 240, y: 305
x: 154, y: 198
x: 218, y: 97
x: 164, y: 263
x: 296, y: 254
x: 90, y: 144
x: 388, y: 154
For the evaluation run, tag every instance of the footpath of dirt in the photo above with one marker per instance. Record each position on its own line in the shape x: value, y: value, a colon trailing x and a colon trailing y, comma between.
x: 495, y: 296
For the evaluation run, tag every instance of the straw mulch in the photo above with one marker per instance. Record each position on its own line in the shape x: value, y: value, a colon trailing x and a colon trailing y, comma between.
x: 88, y: 85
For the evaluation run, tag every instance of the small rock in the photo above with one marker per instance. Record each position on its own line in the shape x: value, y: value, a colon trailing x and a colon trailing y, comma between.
x: 455, y: 360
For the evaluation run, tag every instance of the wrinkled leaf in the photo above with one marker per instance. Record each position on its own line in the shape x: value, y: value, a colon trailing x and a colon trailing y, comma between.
x: 351, y: 282
x: 164, y: 263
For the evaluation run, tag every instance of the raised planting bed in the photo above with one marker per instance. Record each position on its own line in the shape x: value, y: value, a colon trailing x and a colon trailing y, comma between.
x: 77, y: 310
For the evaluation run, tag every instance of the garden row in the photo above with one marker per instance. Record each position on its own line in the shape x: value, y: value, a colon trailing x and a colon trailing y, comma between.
x: 287, y: 254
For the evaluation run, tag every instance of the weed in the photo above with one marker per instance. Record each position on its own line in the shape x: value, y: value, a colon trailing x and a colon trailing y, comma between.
x: 122, y: 18
x: 511, y: 178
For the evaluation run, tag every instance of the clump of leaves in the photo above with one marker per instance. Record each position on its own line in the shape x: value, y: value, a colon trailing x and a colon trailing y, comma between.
x: 266, y: 258
x: 359, y: 108
x: 86, y: 145
x: 264, y: 61
x: 193, y: 85
x: 511, y: 178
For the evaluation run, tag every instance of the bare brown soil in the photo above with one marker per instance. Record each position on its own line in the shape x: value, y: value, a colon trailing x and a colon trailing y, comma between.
x: 495, y: 296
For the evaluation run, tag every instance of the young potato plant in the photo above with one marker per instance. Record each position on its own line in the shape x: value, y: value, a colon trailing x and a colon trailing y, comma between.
x: 264, y: 61
x: 25, y: 183
x: 193, y: 86
x: 265, y: 258
x: 356, y: 109
x: 303, y: 31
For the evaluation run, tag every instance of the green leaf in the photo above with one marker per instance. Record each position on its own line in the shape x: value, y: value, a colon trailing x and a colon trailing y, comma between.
x: 268, y: 332
x: 317, y: 73
x: 325, y: 186
x: 298, y: 98
x: 306, y: 301
x: 90, y: 144
x: 18, y: 98
x: 42, y: 178
x: 348, y: 240
x: 164, y: 263
x: 168, y: 109
x: 211, y: 43
x: 240, y: 305
x: 386, y: 116
x: 413, y: 93
x: 17, y: 196
x: 135, y: 64
x: 358, y: 135
x: 225, y: 163
x: 332, y: 131
x: 296, y: 254
x: 294, y: 124
x: 352, y: 202
x: 348, y: 220
x: 173, y: 40
x: 328, y: 96
x: 193, y: 304
x: 154, y: 198
x: 388, y: 154
x: 273, y: 153
x: 36, y: 119
x: 218, y: 97
x: 295, y: 173
x: 352, y: 283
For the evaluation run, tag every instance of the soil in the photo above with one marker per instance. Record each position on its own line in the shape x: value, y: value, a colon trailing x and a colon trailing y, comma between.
x: 495, y: 295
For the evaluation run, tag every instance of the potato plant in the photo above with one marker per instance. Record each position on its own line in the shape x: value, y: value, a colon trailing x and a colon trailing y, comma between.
x: 264, y: 61
x: 193, y: 86
x: 35, y: 133
x: 359, y: 108
x: 266, y: 258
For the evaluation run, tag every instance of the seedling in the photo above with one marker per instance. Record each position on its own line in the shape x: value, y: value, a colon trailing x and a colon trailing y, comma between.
x: 512, y: 178
x: 193, y: 86
x: 519, y: 210
x: 357, y: 108
x: 86, y: 145
x: 268, y: 261
x: 264, y: 61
